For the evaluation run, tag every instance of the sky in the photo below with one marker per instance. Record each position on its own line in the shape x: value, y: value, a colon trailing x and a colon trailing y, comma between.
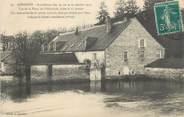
x: 12, y: 24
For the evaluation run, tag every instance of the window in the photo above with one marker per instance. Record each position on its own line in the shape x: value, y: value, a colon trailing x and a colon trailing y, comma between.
x: 141, y: 51
x: 59, y: 45
x: 142, y: 44
x: 141, y: 55
x: 160, y: 54
x: 125, y: 56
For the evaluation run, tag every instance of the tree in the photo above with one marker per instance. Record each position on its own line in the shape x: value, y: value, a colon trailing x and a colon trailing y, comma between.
x: 25, y: 49
x: 38, y: 36
x: 120, y: 8
x: 6, y: 41
x: 131, y: 8
x: 50, y: 34
x: 148, y: 4
x: 148, y: 8
x: 102, y: 13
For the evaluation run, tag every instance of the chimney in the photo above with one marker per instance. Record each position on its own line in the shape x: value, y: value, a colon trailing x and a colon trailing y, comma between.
x: 125, y: 19
x: 76, y: 31
x: 108, y: 24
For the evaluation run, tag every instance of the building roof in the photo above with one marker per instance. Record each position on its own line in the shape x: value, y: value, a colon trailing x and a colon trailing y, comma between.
x: 45, y: 59
x: 93, y: 39
x: 96, y: 38
x: 167, y: 63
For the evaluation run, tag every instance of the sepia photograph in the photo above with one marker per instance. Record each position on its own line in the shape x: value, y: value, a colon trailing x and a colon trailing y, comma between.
x: 92, y: 58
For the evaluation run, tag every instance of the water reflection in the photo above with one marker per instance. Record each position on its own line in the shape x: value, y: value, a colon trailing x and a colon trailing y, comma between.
x: 162, y: 96
x: 18, y: 92
x: 153, y: 90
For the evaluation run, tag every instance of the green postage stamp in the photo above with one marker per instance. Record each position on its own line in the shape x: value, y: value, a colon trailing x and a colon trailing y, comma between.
x: 168, y: 17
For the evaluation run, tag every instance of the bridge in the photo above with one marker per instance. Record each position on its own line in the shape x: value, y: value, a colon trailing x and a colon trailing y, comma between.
x: 50, y: 59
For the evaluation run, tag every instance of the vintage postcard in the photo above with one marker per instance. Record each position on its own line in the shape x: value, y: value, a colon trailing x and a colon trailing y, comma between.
x: 91, y: 58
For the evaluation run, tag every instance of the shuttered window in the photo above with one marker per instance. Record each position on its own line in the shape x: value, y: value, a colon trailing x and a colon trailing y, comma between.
x: 125, y: 56
x: 160, y: 54
x: 142, y: 43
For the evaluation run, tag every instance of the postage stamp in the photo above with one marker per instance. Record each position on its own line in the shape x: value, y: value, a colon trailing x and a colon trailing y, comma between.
x: 168, y: 17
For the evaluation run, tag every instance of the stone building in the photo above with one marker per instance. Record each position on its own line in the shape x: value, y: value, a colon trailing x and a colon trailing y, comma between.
x: 127, y: 47
x: 122, y: 48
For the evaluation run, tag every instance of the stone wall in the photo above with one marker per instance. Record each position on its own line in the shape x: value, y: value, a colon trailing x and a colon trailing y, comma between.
x: 165, y: 73
x: 128, y: 40
x: 39, y: 72
x: 69, y: 72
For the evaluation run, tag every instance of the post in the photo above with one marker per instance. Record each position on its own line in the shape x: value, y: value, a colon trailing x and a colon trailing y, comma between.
x: 28, y: 79
x: 103, y: 82
x: 49, y: 74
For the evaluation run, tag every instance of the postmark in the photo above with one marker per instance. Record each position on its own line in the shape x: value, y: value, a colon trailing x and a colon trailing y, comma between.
x: 168, y: 17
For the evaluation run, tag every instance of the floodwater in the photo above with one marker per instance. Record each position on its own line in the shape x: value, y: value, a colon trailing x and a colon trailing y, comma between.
x: 118, y: 98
